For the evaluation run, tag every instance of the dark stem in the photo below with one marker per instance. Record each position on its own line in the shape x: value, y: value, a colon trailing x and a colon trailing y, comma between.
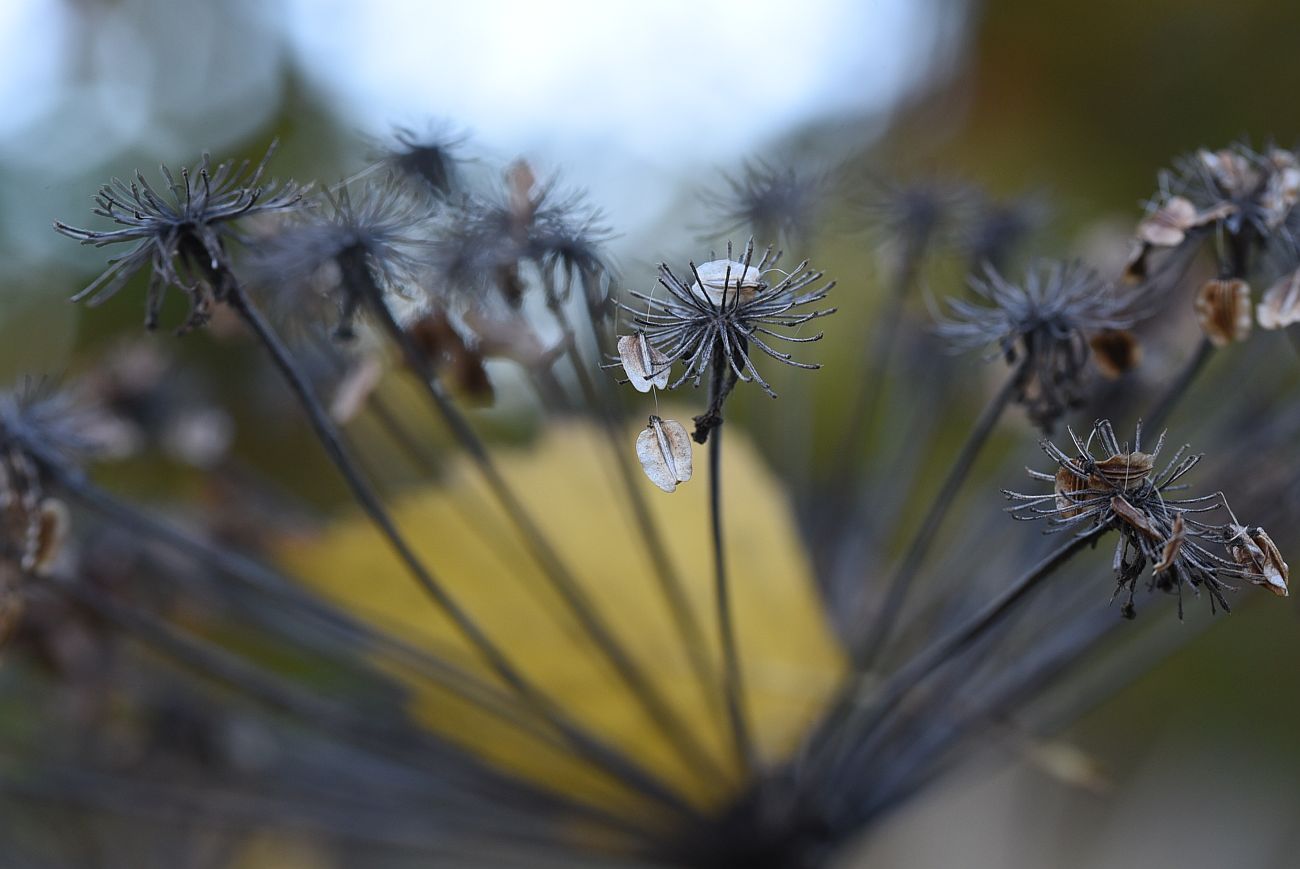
x: 1178, y: 388
x: 330, y: 438
x: 733, y: 689
x: 360, y: 281
x: 849, y: 725
x: 882, y: 624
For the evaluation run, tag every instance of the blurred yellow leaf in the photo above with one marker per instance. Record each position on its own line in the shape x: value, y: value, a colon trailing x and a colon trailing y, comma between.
x: 568, y: 484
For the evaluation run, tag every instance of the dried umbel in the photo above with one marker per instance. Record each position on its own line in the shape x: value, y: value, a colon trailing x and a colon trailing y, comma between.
x: 711, y: 323
x: 1122, y: 491
x: 1223, y: 310
x: 769, y: 201
x: 180, y: 232
x: 1044, y: 326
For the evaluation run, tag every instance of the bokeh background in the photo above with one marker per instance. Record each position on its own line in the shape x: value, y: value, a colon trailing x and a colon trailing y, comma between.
x: 643, y: 106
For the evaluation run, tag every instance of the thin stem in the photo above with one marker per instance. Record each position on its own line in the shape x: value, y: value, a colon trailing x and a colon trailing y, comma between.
x: 361, y: 281
x: 330, y: 438
x: 1179, y: 386
x: 670, y: 583
x: 882, y: 624
x: 733, y: 689
x: 847, y: 730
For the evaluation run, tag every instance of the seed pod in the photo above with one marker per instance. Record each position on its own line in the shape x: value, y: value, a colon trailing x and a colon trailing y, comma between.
x: 1126, y: 471
x: 1254, y: 550
x: 1133, y: 516
x: 1115, y: 351
x: 1232, y: 172
x: 1172, y: 546
x: 1280, y: 306
x: 727, y: 281
x: 1067, y: 488
x: 645, y: 366
x: 664, y: 449
x: 1283, y: 188
x: 1167, y: 226
x: 51, y: 529
x: 1223, y: 310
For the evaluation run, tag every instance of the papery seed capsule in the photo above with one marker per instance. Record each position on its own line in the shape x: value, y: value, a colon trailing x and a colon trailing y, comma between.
x: 1115, y: 351
x: 1068, y: 486
x: 51, y: 529
x: 1126, y: 471
x: 1167, y: 227
x: 1280, y: 306
x: 664, y: 449
x: 645, y: 366
x: 1283, y: 188
x: 1172, y: 546
x: 1253, y: 549
x: 727, y: 281
x: 1223, y: 310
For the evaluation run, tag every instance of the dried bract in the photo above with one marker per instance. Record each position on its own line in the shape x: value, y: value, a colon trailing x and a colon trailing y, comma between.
x: 664, y: 448
x: 1223, y: 310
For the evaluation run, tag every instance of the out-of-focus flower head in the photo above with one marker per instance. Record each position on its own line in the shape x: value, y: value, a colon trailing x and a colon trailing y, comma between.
x: 767, y: 200
x: 487, y: 246
x: 1042, y: 324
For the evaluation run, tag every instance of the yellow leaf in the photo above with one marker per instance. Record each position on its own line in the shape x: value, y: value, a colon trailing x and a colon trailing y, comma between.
x: 568, y: 484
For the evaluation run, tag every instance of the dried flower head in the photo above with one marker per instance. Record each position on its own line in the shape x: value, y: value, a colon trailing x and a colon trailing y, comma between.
x: 991, y: 229
x: 1122, y: 491
x: 1223, y: 310
x: 484, y: 246
x: 429, y: 159
x: 303, y: 261
x: 726, y: 308
x: 1044, y: 325
x: 768, y: 201
x: 1247, y: 195
x: 912, y: 213
x: 180, y: 232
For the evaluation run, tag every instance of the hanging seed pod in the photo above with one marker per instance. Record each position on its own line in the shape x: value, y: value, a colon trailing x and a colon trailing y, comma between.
x: 1223, y: 310
x: 645, y: 366
x: 664, y: 449
x: 1280, y: 306
x: 1254, y: 550
x: 727, y: 281
x: 1115, y: 351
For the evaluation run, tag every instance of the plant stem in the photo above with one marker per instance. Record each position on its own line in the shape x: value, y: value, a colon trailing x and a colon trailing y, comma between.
x: 1179, y: 386
x: 733, y: 689
x: 366, y: 497
x: 882, y: 624
x: 360, y: 280
x: 848, y: 727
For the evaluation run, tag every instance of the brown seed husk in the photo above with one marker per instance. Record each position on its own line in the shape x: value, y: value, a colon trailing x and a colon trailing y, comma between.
x: 1223, y: 310
x: 1115, y: 351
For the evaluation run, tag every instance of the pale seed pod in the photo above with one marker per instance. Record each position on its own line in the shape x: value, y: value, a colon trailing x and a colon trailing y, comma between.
x: 1254, y: 550
x: 645, y: 366
x: 664, y: 449
x: 1115, y: 351
x: 1223, y: 310
x: 1280, y: 305
x: 51, y: 530
x: 727, y: 282
x: 1168, y: 225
